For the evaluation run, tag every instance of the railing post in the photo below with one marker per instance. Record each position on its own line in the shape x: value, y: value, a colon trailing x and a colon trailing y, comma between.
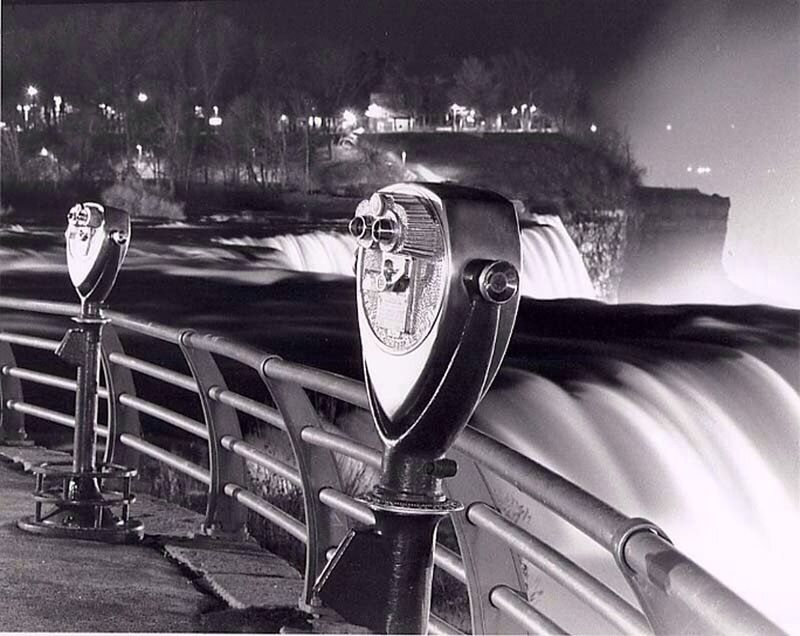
x: 12, y: 423
x: 121, y: 419
x: 224, y: 516
x: 488, y: 562
x: 325, y: 527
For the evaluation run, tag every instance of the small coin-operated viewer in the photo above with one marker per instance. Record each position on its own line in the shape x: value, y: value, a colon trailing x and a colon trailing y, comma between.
x: 437, y: 292
x: 97, y: 239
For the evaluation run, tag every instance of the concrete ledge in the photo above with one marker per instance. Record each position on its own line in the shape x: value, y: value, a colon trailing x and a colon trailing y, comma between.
x: 260, y: 591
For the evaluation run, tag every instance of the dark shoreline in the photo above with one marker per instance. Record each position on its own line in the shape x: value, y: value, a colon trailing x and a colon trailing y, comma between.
x: 45, y: 203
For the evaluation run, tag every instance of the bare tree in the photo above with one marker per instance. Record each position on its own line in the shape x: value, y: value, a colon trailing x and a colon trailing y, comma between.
x: 475, y: 86
x: 562, y: 95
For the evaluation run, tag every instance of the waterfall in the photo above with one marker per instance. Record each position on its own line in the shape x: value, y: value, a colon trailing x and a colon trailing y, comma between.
x: 551, y: 264
x: 700, y: 438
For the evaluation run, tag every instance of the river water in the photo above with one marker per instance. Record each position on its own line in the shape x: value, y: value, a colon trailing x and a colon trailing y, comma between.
x: 687, y: 414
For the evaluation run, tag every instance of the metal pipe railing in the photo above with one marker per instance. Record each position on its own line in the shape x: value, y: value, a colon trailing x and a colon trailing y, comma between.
x: 47, y: 379
x: 517, y: 607
x: 348, y: 505
x: 437, y: 625
x: 251, y: 453
x: 260, y: 411
x: 706, y: 599
x: 156, y: 452
x: 338, y: 443
x: 332, y: 384
x: 621, y: 614
x: 267, y: 510
x: 49, y: 415
x: 156, y: 371
x: 164, y: 414
x: 593, y: 517
x: 33, y: 342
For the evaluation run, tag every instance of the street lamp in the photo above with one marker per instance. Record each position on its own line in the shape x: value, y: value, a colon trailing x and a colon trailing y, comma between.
x: 142, y: 97
x: 31, y: 91
x: 215, y: 120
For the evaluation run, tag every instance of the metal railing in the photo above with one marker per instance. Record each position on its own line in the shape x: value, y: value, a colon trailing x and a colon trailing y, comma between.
x: 675, y: 595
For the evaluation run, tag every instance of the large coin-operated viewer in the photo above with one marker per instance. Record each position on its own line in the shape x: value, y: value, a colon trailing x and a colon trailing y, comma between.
x: 70, y: 498
x: 437, y: 292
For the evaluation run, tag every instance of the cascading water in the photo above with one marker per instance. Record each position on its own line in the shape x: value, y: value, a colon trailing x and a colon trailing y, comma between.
x: 688, y: 415
x: 551, y: 264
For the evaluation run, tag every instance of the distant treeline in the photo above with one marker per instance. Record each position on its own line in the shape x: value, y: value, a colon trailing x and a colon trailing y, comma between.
x: 114, y: 86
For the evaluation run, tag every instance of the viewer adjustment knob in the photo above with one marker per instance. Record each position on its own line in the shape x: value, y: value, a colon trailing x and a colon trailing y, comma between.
x: 361, y: 228
x: 498, y: 282
x: 386, y: 232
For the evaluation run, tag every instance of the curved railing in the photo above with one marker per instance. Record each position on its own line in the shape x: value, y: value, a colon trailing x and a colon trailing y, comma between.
x: 676, y: 595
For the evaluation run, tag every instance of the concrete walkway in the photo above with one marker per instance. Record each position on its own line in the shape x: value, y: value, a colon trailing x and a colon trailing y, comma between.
x: 172, y: 581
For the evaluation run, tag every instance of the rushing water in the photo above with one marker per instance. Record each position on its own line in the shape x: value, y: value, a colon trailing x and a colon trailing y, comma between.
x: 688, y: 415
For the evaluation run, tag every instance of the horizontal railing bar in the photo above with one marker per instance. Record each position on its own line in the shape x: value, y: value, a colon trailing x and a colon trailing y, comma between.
x: 339, y: 443
x: 164, y: 414
x: 156, y: 452
x: 42, y: 413
x: 515, y: 605
x: 450, y: 562
x: 265, y: 509
x: 49, y: 415
x: 332, y: 384
x: 146, y: 327
x: 246, y: 354
x: 595, y: 518
x: 710, y: 602
x: 348, y: 505
x: 33, y: 342
x: 40, y: 306
x: 572, y: 577
x: 247, y: 405
x: 437, y: 625
x: 47, y: 379
x: 251, y: 453
x: 156, y: 371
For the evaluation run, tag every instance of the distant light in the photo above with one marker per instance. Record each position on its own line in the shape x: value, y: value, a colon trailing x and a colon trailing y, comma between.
x: 317, y: 121
x: 593, y: 128
x: 216, y: 110
x: 101, y: 106
x: 376, y: 112
x: 19, y: 108
x: 524, y: 107
x: 349, y: 118
x: 57, y: 100
x: 139, y: 148
x: 284, y: 118
x: 532, y: 108
x: 689, y: 168
x: 142, y: 97
x: 733, y: 126
x: 3, y: 125
x: 44, y: 152
x: 669, y: 127
x: 215, y: 121
x: 703, y: 170
x: 32, y: 91
x: 514, y: 110
x: 198, y: 112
